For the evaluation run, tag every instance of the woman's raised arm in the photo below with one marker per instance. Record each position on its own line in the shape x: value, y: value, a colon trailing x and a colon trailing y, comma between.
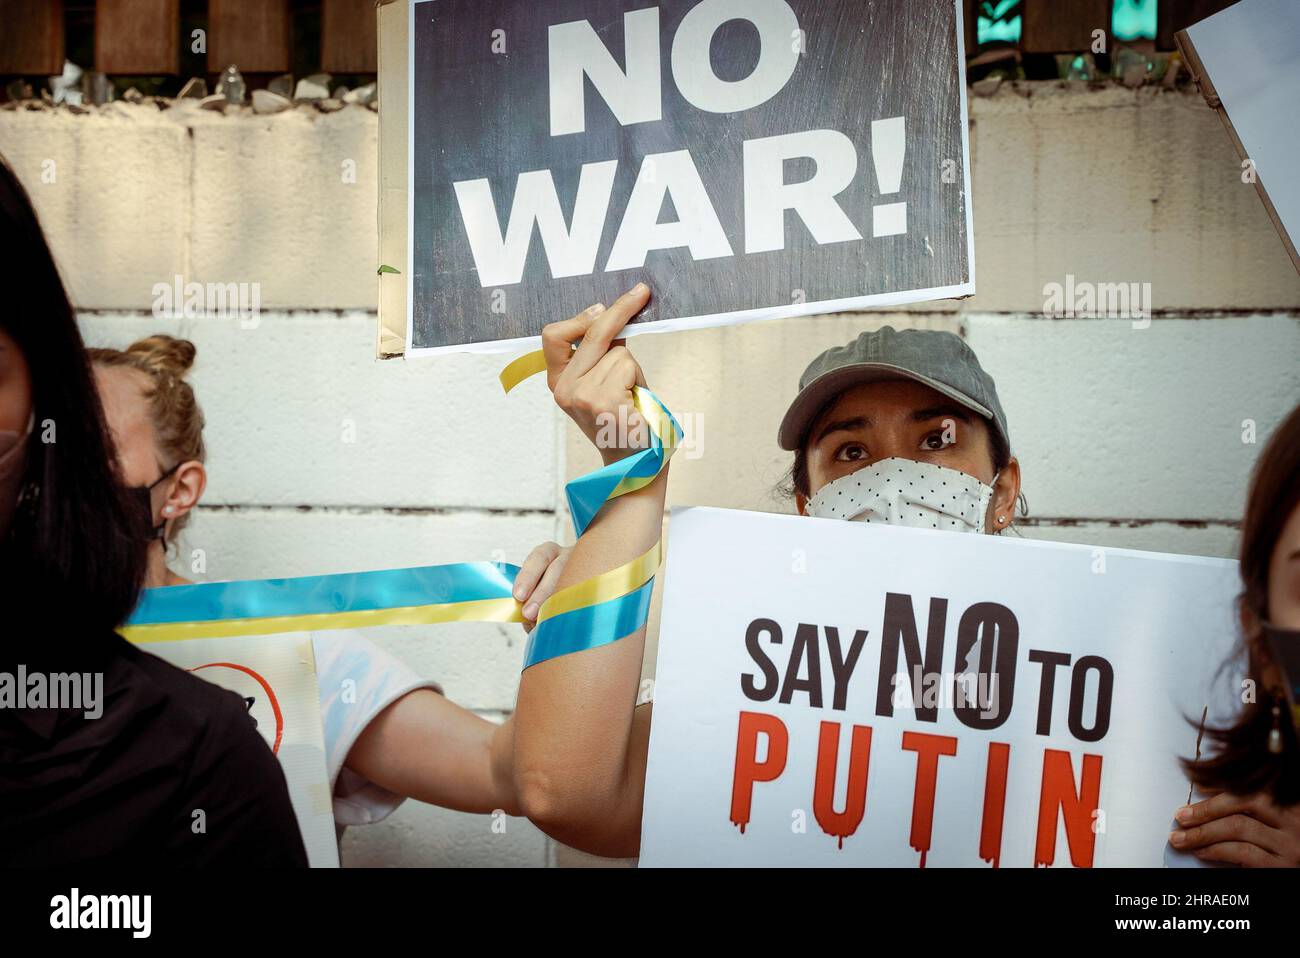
x: 579, y: 741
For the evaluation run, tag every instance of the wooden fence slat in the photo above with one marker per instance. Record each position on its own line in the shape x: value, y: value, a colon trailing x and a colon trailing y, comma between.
x: 138, y: 37
x: 971, y: 12
x: 1062, y: 26
x: 349, y: 41
x: 1175, y: 15
x: 254, y: 35
x: 31, y: 38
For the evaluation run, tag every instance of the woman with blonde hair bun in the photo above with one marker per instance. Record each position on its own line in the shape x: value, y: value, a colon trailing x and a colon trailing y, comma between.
x: 395, y: 736
x: 158, y: 427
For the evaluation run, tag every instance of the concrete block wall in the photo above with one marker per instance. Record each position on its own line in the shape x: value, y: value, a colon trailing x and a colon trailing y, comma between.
x: 1117, y: 185
x: 324, y: 460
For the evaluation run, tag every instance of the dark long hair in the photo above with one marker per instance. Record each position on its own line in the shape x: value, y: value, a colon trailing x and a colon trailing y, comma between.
x: 71, y: 564
x: 1240, y: 761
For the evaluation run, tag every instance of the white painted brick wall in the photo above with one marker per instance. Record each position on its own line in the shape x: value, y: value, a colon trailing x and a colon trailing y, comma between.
x: 283, y: 398
x: 271, y: 204
x: 1113, y: 422
x: 1130, y: 438
x: 112, y: 191
x: 1117, y: 185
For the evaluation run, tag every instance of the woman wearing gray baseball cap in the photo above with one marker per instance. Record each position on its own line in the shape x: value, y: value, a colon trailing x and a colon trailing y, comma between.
x: 901, y: 427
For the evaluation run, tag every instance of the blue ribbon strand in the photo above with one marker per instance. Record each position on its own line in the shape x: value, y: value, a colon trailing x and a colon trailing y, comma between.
x: 324, y: 594
x: 587, y: 494
x: 589, y: 627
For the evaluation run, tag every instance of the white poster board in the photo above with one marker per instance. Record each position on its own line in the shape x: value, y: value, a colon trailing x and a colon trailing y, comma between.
x: 1248, y: 57
x: 775, y: 645
x: 276, y: 676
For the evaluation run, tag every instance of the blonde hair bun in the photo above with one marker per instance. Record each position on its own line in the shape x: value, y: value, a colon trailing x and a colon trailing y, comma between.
x: 164, y: 354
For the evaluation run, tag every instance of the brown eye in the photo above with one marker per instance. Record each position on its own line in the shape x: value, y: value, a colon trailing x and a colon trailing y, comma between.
x: 935, y: 441
x: 851, y: 452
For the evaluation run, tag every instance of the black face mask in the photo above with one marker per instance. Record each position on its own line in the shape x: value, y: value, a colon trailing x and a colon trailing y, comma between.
x: 1284, y: 644
x: 142, y: 499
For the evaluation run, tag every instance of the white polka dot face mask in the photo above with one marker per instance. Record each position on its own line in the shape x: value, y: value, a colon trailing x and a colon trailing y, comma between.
x: 903, y: 492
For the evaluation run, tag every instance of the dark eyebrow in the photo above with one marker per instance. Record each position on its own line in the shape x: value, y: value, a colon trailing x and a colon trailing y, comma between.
x: 934, y: 412
x: 843, y: 425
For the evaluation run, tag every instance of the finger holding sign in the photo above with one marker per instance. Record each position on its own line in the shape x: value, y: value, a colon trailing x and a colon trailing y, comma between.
x: 602, y: 332
x: 1250, y: 830
x: 1244, y: 854
x: 1230, y: 828
x: 558, y: 339
x: 593, y: 384
x: 1224, y: 804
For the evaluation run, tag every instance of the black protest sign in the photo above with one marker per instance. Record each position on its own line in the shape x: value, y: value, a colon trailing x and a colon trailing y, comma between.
x: 746, y: 158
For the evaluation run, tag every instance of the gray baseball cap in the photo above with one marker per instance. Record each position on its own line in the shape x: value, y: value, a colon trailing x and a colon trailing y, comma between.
x: 937, y: 359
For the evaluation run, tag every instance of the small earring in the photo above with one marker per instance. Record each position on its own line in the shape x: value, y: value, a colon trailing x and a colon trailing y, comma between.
x: 1275, y: 736
x: 1001, y: 519
x: 168, y: 510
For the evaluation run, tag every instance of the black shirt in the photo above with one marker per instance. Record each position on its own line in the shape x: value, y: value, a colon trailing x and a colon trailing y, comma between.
x: 125, y: 788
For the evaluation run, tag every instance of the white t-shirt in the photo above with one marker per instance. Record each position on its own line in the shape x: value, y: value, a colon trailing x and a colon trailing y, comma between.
x: 357, y: 680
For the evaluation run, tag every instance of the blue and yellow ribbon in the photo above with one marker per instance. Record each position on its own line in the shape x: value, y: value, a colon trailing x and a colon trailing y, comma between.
x: 457, y: 592
x: 588, y: 614
x: 614, y: 604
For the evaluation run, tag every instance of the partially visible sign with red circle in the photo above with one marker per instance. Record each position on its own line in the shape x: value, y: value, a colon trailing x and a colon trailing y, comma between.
x: 263, y: 706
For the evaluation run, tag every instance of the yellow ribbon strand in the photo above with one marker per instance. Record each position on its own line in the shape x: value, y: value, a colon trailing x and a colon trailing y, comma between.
x: 529, y: 364
x: 608, y: 585
x: 480, y: 610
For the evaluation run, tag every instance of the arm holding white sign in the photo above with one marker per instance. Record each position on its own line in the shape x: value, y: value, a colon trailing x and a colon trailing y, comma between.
x: 890, y: 407
x: 579, y: 741
x: 1253, y: 816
